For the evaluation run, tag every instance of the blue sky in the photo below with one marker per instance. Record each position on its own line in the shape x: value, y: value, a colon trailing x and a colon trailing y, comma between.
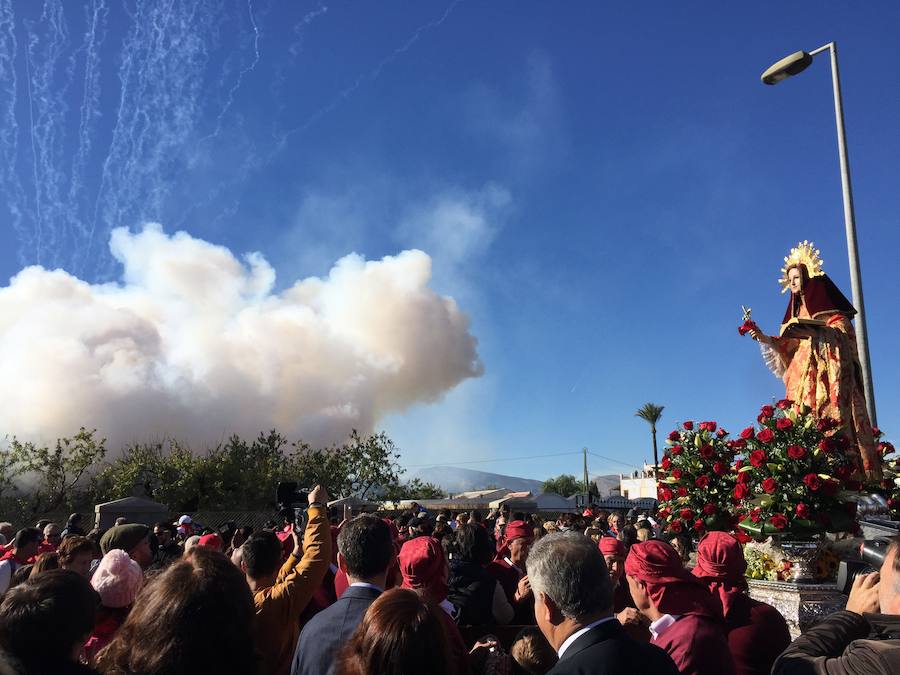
x: 600, y: 185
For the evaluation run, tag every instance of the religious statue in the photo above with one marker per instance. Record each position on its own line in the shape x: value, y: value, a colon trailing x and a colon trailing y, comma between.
x: 815, y: 354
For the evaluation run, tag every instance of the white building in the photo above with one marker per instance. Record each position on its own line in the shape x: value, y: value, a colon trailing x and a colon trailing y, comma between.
x: 638, y: 484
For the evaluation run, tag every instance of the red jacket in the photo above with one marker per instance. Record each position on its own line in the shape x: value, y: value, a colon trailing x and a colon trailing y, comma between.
x: 697, y: 645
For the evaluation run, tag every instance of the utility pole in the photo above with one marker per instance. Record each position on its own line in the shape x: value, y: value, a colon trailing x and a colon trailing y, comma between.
x: 587, y: 491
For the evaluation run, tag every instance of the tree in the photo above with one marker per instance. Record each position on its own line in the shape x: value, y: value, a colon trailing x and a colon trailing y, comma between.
x: 565, y: 485
x: 650, y: 412
x: 414, y: 489
x: 56, y: 473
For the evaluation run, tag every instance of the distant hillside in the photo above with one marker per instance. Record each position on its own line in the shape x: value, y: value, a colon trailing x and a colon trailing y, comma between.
x: 455, y: 479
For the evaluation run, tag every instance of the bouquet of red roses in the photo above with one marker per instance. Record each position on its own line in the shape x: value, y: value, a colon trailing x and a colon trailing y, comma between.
x: 891, y: 468
x: 794, y: 476
x: 695, y: 479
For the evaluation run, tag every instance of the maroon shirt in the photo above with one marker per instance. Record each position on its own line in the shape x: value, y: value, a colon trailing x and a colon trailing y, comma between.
x: 697, y: 645
x: 757, y: 634
x: 508, y: 577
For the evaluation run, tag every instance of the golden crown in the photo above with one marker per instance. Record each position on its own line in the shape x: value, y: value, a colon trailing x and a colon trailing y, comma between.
x: 804, y: 253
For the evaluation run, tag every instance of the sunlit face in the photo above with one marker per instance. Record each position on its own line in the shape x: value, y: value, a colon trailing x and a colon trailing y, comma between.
x: 616, y: 567
x: 53, y: 534
x: 518, y: 551
x: 638, y: 594
x: 795, y: 279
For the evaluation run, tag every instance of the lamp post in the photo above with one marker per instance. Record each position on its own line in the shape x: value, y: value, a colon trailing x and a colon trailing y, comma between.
x: 792, y: 65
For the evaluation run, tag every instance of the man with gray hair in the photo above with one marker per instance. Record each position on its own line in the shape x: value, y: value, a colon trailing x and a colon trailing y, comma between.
x: 573, y: 605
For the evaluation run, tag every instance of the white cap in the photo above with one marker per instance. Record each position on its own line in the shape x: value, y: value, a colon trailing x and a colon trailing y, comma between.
x: 185, y: 520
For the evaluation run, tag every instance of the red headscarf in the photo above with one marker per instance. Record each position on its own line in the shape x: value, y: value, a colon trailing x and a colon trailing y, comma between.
x: 424, y: 567
x: 672, y: 588
x: 517, y: 529
x: 721, y: 566
x: 612, y: 546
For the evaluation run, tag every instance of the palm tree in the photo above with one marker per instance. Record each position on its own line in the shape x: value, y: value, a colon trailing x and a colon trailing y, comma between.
x: 651, y: 413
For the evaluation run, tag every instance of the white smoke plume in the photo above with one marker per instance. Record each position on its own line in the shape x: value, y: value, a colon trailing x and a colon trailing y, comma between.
x: 195, y: 344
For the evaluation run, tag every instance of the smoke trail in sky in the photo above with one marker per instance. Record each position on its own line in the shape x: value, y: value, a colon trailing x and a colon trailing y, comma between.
x: 195, y: 343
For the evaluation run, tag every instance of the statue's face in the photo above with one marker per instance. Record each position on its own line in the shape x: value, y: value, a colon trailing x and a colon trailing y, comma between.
x: 795, y: 279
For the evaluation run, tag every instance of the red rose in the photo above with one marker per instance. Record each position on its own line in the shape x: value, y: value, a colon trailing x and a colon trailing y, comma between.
x: 720, y: 468
x: 702, y: 481
x: 699, y: 525
x: 686, y: 514
x: 784, y: 404
x: 829, y: 488
x: 844, y: 471
x: 779, y: 521
x: 886, y: 448
x: 707, y: 452
x: 709, y: 509
x: 747, y: 433
x: 826, y: 445
x: 663, y: 514
x: 682, y: 491
x: 675, y: 526
x: 770, y: 485
x: 796, y: 451
x: 756, y: 515
x: 784, y: 423
x: 676, y: 474
x: 666, y: 462
x: 688, y: 425
x: 738, y: 465
x: 802, y: 511
x: 739, y: 444
x: 758, y: 458
x: 721, y: 433
x: 710, y: 426
x: 674, y: 436
x: 765, y: 436
x: 812, y: 481
x: 665, y: 494
x: 743, y: 477
x: 677, y: 450
x: 741, y: 491
x: 767, y: 410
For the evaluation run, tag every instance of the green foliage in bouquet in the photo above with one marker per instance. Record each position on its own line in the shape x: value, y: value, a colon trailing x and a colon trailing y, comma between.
x: 794, y: 476
x: 696, y: 479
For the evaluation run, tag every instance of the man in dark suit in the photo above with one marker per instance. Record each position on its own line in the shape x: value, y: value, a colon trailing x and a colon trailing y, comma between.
x: 573, y: 602
x: 365, y: 552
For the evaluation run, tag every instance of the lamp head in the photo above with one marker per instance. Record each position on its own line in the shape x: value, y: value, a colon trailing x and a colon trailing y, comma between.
x: 789, y: 65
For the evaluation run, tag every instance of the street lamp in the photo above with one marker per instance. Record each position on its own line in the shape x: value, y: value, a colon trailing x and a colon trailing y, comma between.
x: 792, y: 65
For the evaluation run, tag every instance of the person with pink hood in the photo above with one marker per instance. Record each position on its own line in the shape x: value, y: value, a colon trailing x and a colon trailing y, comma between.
x: 117, y: 581
x: 685, y: 620
x: 757, y: 632
x: 508, y: 568
x: 425, y: 570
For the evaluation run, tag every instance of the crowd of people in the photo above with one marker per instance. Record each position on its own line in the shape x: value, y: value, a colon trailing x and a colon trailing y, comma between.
x: 432, y: 593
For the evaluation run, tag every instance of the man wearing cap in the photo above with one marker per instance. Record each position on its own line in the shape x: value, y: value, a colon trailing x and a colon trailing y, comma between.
x: 425, y: 570
x: 757, y: 632
x: 185, y: 527
x: 614, y: 555
x: 132, y: 538
x: 685, y: 620
x: 508, y: 568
